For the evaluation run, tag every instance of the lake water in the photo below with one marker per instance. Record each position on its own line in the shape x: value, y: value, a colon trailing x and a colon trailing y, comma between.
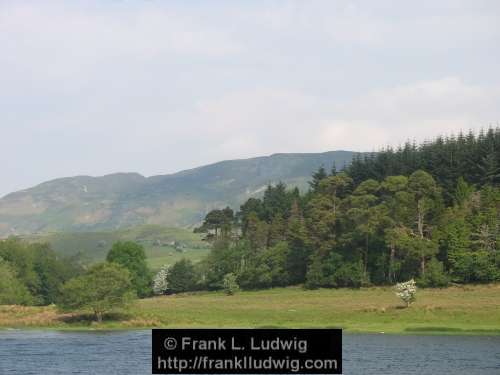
x: 109, y: 353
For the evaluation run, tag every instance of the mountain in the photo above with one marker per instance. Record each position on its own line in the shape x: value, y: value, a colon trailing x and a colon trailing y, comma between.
x: 85, y: 203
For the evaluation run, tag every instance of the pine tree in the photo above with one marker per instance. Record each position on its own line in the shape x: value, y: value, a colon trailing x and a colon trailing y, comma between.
x: 317, y: 177
x: 298, y: 255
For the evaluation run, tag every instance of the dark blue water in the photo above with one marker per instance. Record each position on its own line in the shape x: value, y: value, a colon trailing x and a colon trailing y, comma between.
x: 110, y: 353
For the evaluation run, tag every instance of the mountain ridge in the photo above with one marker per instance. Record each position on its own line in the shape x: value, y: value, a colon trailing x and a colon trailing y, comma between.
x: 124, y: 199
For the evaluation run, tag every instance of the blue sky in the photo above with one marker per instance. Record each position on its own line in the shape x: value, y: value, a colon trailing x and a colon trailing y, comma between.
x: 95, y: 87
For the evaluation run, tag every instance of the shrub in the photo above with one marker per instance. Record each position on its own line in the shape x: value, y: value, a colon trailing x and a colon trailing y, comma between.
x: 182, y: 277
x: 160, y: 282
x: 315, y: 277
x: 349, y: 275
x: 407, y: 291
x: 434, y: 276
x: 484, y: 267
x: 231, y: 287
x: 477, y: 266
x: 333, y: 271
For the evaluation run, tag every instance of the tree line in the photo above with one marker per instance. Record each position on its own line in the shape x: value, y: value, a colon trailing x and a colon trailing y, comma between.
x: 33, y: 274
x: 429, y: 211
x: 475, y: 158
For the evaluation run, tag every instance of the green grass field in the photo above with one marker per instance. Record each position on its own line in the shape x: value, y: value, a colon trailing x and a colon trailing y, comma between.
x: 158, y: 256
x: 455, y: 310
x: 163, y: 245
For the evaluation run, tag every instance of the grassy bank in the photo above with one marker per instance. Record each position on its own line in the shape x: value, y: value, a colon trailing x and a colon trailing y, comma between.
x: 455, y: 310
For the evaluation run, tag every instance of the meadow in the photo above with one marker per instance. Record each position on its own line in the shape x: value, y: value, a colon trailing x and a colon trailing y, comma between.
x: 162, y: 245
x: 453, y: 310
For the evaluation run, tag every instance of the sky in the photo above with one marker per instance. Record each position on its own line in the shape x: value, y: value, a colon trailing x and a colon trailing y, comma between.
x: 97, y: 87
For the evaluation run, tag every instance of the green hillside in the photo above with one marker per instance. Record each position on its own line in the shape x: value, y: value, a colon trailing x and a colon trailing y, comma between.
x: 95, y: 204
x: 162, y: 245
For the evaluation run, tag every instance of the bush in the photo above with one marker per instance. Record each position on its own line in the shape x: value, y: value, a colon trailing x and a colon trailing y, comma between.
x: 182, y: 277
x: 160, y: 282
x: 333, y: 271
x: 231, y: 287
x: 223, y: 259
x: 407, y: 291
x: 484, y: 267
x: 255, y: 277
x: 478, y: 266
x: 349, y: 275
x: 435, y: 276
x: 315, y: 277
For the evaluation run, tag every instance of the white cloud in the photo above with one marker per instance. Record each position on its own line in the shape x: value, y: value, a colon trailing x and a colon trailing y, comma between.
x: 286, y: 121
x: 92, y: 87
x: 415, y: 111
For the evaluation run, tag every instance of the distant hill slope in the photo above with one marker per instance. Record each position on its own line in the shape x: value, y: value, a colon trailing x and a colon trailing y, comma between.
x: 85, y: 203
x: 162, y: 245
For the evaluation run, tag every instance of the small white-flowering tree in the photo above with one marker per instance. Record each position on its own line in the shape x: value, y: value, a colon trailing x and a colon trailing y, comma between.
x: 160, y: 283
x: 407, y: 291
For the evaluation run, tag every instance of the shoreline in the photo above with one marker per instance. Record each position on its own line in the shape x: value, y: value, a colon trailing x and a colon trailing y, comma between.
x: 465, y: 311
x: 104, y: 329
